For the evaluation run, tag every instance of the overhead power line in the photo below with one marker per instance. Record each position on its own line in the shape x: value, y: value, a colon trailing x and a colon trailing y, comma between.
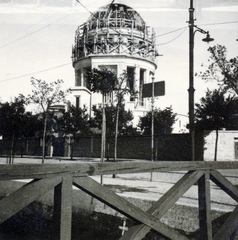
x: 27, y: 35
x: 210, y: 24
x: 171, y: 32
x: 85, y: 7
x: 173, y: 38
x: 29, y: 74
x: 33, y: 39
x: 24, y: 30
x: 96, y: 16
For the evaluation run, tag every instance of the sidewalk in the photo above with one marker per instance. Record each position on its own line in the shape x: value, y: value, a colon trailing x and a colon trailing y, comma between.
x: 38, y: 159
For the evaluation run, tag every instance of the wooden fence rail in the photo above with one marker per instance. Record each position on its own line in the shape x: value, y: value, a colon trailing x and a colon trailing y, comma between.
x: 61, y: 178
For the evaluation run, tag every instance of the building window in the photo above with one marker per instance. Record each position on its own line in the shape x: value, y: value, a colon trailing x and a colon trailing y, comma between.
x: 236, y: 147
x: 78, y: 79
x: 142, y: 81
x: 85, y: 79
x: 131, y: 80
x: 77, y: 102
x: 112, y: 68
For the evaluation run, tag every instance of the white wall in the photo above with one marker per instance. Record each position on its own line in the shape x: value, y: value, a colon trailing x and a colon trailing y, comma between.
x: 226, y: 146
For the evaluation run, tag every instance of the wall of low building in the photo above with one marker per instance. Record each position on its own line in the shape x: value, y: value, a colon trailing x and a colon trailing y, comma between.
x: 32, y: 146
x: 227, y: 149
x: 173, y: 147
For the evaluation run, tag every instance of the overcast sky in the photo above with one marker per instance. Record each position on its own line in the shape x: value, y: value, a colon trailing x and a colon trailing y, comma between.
x: 36, y: 41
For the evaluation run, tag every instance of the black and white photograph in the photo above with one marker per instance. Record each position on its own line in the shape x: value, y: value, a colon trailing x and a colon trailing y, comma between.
x: 118, y: 120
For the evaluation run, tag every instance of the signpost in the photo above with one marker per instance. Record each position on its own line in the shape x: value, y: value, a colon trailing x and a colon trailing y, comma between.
x: 159, y: 89
x: 153, y: 90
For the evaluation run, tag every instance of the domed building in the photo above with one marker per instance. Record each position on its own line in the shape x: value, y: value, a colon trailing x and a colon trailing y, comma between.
x: 117, y: 38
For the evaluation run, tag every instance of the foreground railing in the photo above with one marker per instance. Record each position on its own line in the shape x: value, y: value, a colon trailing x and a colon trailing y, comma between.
x: 61, y: 177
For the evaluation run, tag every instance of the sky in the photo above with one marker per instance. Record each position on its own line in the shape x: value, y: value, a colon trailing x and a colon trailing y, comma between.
x: 36, y: 41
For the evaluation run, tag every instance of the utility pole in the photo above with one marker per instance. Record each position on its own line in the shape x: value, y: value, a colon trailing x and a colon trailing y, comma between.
x: 152, y: 123
x: 152, y: 119
x: 191, y: 89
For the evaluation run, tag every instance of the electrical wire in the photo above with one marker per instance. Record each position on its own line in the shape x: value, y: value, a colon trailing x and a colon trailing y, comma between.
x: 24, y: 30
x: 171, y: 32
x: 208, y: 24
x: 70, y: 63
x: 46, y: 33
x: 182, y: 115
x: 96, y: 16
x: 45, y: 70
x: 173, y: 38
x: 34, y: 31
x: 85, y: 8
x: 211, y: 24
x: 13, y: 78
x: 9, y: 79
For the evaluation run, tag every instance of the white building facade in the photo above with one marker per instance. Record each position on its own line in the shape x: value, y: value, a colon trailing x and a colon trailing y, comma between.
x: 227, y: 147
x: 117, y: 38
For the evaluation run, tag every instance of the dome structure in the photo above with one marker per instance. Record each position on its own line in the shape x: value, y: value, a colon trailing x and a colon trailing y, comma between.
x: 117, y: 38
x: 115, y: 29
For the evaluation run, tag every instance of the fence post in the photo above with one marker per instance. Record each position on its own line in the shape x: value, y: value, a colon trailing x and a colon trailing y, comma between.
x: 204, y: 201
x: 63, y: 208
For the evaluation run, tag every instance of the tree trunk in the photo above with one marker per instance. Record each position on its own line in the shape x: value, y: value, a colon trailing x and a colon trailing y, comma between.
x: 108, y: 149
x: 216, y: 143
x: 72, y: 147
x: 22, y: 150
x: 103, y: 130
x: 43, y: 140
x: 156, y: 149
x: 116, y: 135
x: 71, y: 150
x: 11, y: 148
x: 103, y: 133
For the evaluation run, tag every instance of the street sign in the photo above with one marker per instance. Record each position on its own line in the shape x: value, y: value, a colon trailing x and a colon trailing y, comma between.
x: 159, y: 89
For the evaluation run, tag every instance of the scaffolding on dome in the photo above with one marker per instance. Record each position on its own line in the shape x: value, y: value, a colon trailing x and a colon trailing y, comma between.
x: 115, y: 29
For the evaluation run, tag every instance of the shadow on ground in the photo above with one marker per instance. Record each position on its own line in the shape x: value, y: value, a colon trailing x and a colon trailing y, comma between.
x: 36, y: 222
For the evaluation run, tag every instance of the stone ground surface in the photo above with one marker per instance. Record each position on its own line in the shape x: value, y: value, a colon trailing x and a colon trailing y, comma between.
x: 142, y: 192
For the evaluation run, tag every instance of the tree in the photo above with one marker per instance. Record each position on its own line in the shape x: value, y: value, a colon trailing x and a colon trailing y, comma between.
x: 16, y: 123
x: 213, y: 113
x: 10, y: 118
x: 124, y: 119
x: 45, y: 95
x: 102, y: 81
x: 75, y: 121
x: 232, y: 115
x: 224, y: 71
x: 163, y: 122
x: 30, y: 126
x: 121, y: 90
x: 117, y: 121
